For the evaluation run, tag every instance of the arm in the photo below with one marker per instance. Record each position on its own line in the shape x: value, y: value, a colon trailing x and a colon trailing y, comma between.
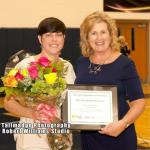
x: 132, y: 84
x: 11, y: 105
x: 115, y: 128
x: 136, y: 108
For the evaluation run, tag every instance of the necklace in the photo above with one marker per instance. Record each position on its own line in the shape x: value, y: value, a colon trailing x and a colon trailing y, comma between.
x: 94, y: 69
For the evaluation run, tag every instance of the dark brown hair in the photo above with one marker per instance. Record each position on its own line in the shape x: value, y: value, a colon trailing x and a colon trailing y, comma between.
x: 51, y: 25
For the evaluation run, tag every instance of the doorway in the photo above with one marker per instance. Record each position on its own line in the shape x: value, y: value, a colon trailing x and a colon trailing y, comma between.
x: 136, y: 34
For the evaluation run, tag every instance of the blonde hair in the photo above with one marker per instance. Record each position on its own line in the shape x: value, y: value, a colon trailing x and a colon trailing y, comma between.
x: 122, y: 41
x: 86, y: 27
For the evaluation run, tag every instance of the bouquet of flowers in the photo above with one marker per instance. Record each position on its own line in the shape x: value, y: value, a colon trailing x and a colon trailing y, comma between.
x: 39, y: 86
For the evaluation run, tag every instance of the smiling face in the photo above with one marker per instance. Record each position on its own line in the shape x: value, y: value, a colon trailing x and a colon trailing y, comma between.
x: 52, y: 43
x: 99, y: 37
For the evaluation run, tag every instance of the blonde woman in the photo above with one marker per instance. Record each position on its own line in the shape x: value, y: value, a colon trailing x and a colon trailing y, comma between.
x: 124, y: 48
x: 103, y: 64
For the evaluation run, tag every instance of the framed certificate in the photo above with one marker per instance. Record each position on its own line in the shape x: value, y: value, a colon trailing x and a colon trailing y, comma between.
x: 90, y: 107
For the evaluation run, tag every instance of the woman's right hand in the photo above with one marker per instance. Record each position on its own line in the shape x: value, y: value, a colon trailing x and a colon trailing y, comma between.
x: 114, y: 129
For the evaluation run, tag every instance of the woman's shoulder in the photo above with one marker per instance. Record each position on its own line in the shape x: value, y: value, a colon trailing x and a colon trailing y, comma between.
x: 125, y: 62
x: 25, y: 62
x: 124, y: 59
x: 67, y: 64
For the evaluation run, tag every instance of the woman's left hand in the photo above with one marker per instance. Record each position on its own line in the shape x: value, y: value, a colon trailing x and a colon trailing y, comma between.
x: 114, y: 129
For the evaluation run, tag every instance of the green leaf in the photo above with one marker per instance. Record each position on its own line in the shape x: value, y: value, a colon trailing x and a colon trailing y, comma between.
x: 2, y: 89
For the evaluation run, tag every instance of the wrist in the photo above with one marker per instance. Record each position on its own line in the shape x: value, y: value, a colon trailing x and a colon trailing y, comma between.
x: 125, y: 122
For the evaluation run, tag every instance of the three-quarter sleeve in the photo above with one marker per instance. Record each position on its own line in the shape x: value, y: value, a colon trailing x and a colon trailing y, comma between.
x: 132, y: 82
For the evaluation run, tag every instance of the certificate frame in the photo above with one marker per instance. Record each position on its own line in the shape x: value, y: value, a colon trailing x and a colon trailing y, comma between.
x: 84, y: 104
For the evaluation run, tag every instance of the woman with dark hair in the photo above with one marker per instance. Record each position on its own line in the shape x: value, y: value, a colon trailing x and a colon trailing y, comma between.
x: 51, y: 35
